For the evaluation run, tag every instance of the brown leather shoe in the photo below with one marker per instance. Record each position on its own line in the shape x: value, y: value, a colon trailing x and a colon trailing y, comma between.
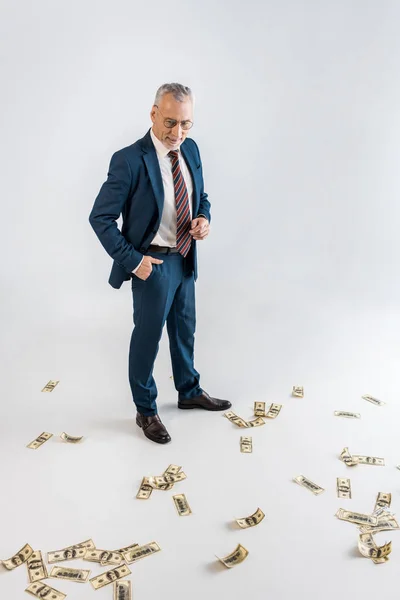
x: 153, y: 428
x: 203, y: 401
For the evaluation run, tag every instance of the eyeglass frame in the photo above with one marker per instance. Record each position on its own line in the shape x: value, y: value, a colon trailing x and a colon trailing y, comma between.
x: 169, y: 119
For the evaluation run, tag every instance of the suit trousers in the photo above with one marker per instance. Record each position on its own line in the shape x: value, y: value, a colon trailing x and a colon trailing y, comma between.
x: 168, y: 294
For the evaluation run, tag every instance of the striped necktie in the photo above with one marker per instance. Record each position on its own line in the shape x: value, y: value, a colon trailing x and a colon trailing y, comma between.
x: 183, y: 221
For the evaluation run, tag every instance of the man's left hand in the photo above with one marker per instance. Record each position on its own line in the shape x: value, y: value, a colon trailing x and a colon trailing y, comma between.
x: 200, y: 228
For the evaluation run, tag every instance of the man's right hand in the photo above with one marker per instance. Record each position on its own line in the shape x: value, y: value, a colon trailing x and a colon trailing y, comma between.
x: 145, y: 268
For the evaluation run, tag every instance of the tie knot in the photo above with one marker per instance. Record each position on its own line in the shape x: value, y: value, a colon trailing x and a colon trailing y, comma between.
x: 173, y: 154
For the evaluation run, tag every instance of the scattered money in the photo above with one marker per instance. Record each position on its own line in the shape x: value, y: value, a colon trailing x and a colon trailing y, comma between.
x: 120, y: 551
x: 235, y: 419
x: 96, y: 555
x: 252, y: 520
x: 167, y: 479
x: 255, y: 423
x: 122, y: 590
x: 172, y: 470
x: 182, y: 505
x: 356, y: 459
x: 69, y: 438
x: 145, y: 489
x: 259, y: 409
x: 41, y: 439
x: 383, y: 500
x: 353, y: 517
x: 246, y: 444
x: 347, y: 458
x: 49, y: 387
x: 109, y: 576
x: 19, y: 558
x: 349, y: 415
x: 273, y: 411
x: 80, y: 575
x: 236, y: 557
x: 70, y: 553
x: 36, y: 567
x: 40, y: 590
x: 369, y: 460
x: 298, y: 391
x: 164, y: 486
x: 313, y: 487
x: 343, y: 487
x: 368, y: 548
x: 373, y: 400
x: 141, y: 552
x: 390, y: 524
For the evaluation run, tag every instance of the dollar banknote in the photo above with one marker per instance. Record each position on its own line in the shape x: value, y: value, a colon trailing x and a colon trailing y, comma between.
x: 354, y: 517
x: 41, y: 439
x: 79, y: 575
x: 36, y: 567
x: 343, y: 487
x: 309, y: 485
x: 49, y: 387
x: 70, y: 553
x: 252, y: 520
x: 120, y: 551
x: 298, y: 391
x: 167, y: 479
x: 160, y: 486
x: 122, y: 590
x: 70, y: 439
x: 145, y: 489
x: 41, y: 590
x: 235, y: 419
x: 347, y: 458
x: 389, y: 524
x: 109, y: 576
x: 255, y: 422
x: 172, y: 470
x: 236, y: 557
x: 18, y: 558
x: 349, y: 415
x: 383, y: 500
x: 182, y: 505
x: 273, y: 411
x: 246, y: 444
x: 369, y: 549
x: 141, y: 552
x: 259, y: 409
x: 96, y: 555
x: 369, y: 460
x: 373, y: 400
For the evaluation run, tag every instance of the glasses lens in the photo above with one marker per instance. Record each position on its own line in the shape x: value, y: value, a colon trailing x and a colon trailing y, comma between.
x: 169, y: 123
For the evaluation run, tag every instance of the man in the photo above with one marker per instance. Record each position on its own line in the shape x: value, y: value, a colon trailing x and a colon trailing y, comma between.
x: 157, y: 184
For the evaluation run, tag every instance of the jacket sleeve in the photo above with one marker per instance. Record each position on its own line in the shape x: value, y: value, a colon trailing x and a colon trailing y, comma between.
x: 106, y: 210
x: 204, y: 207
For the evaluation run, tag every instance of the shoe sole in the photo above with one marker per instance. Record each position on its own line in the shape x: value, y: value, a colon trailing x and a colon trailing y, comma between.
x: 149, y: 437
x: 188, y: 406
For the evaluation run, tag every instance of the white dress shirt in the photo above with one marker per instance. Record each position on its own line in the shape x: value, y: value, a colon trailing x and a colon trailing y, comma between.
x: 166, y: 234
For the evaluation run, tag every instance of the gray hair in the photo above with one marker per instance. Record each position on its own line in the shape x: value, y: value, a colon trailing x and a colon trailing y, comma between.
x: 180, y: 92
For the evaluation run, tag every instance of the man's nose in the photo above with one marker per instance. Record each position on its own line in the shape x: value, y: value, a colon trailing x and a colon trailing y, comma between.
x: 177, y: 130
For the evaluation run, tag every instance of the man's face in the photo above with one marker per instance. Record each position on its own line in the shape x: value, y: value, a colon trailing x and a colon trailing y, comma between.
x: 169, y: 108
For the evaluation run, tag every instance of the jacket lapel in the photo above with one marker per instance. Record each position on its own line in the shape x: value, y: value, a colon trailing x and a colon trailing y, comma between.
x: 153, y: 168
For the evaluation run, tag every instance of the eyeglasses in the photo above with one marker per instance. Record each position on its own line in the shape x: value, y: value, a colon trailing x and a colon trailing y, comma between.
x: 170, y: 123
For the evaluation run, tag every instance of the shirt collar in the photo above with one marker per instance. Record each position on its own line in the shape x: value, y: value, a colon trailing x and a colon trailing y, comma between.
x: 161, y: 149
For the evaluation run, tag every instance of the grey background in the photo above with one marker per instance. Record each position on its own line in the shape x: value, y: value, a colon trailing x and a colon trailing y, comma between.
x: 297, y: 120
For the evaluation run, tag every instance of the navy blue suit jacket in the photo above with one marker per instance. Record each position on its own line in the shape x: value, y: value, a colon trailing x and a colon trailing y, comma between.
x: 134, y: 188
